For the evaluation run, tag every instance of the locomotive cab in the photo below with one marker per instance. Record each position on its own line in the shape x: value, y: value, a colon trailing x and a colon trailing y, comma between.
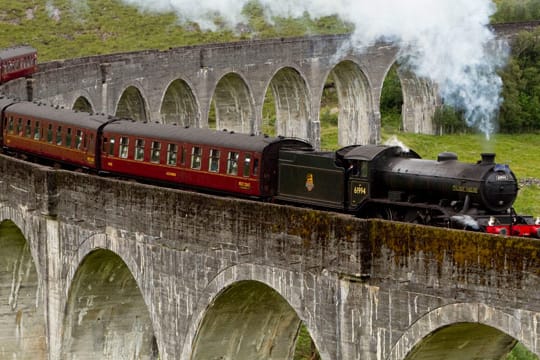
x: 361, y: 179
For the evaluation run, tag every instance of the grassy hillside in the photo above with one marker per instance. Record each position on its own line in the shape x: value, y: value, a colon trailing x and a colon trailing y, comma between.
x: 67, y: 29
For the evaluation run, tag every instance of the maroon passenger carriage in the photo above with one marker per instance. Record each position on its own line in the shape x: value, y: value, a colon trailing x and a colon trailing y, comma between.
x: 216, y: 161
x: 17, y: 61
x: 58, y: 135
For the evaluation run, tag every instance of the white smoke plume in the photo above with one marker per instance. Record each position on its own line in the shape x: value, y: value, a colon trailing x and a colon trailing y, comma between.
x: 447, y: 41
x: 394, y: 141
x: 52, y: 11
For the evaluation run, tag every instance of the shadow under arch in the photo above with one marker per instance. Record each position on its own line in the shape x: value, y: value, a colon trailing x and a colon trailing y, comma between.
x: 247, y: 320
x: 233, y: 104
x: 463, y: 341
x: 459, y: 331
x: 355, y: 118
x: 179, y: 105
x: 292, y: 103
x: 420, y: 100
x: 131, y: 105
x: 82, y: 104
x: 106, y: 316
x: 22, y: 319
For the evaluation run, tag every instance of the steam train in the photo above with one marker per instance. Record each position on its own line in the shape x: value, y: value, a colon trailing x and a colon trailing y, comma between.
x: 17, y: 61
x: 370, y: 181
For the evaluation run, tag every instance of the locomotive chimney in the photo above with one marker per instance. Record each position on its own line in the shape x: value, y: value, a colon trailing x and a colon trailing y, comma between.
x: 488, y: 158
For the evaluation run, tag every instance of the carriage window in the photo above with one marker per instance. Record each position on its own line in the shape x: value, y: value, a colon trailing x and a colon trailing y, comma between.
x: 49, y: 133
x: 232, y: 163
x: 256, y: 167
x: 172, y: 151
x: 156, y: 152
x: 213, y: 165
x: 78, y: 139
x: 19, y: 127
x: 92, y: 145
x: 139, y: 149
x: 247, y: 165
x: 111, y: 146
x: 183, y: 156
x: 37, y: 132
x: 59, y: 135
x: 28, y: 128
x: 196, y: 157
x: 123, y: 150
x: 68, y: 137
x: 10, y: 125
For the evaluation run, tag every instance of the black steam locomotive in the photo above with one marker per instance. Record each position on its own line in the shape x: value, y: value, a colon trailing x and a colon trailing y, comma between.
x: 371, y: 181
x: 376, y: 181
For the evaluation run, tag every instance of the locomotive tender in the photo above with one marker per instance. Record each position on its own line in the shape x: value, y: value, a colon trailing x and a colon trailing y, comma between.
x: 367, y: 181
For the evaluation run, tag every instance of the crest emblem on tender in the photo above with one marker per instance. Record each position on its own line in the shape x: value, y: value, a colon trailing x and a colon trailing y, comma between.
x: 309, y: 182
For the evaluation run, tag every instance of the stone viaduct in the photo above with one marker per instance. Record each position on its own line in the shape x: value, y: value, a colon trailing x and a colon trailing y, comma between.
x: 97, y: 268
x: 181, y: 84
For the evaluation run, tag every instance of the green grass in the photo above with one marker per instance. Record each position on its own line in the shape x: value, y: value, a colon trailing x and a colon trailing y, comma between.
x: 109, y: 26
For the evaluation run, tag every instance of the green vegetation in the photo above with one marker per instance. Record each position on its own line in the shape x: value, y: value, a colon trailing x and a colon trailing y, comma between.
x: 520, y: 111
x: 516, y: 10
x: 67, y: 29
x: 62, y: 29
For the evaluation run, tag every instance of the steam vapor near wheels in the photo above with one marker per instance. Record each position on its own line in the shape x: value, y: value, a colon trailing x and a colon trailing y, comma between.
x: 446, y: 41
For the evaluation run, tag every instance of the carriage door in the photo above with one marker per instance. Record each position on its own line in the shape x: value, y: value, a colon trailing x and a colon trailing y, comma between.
x: 357, y: 183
